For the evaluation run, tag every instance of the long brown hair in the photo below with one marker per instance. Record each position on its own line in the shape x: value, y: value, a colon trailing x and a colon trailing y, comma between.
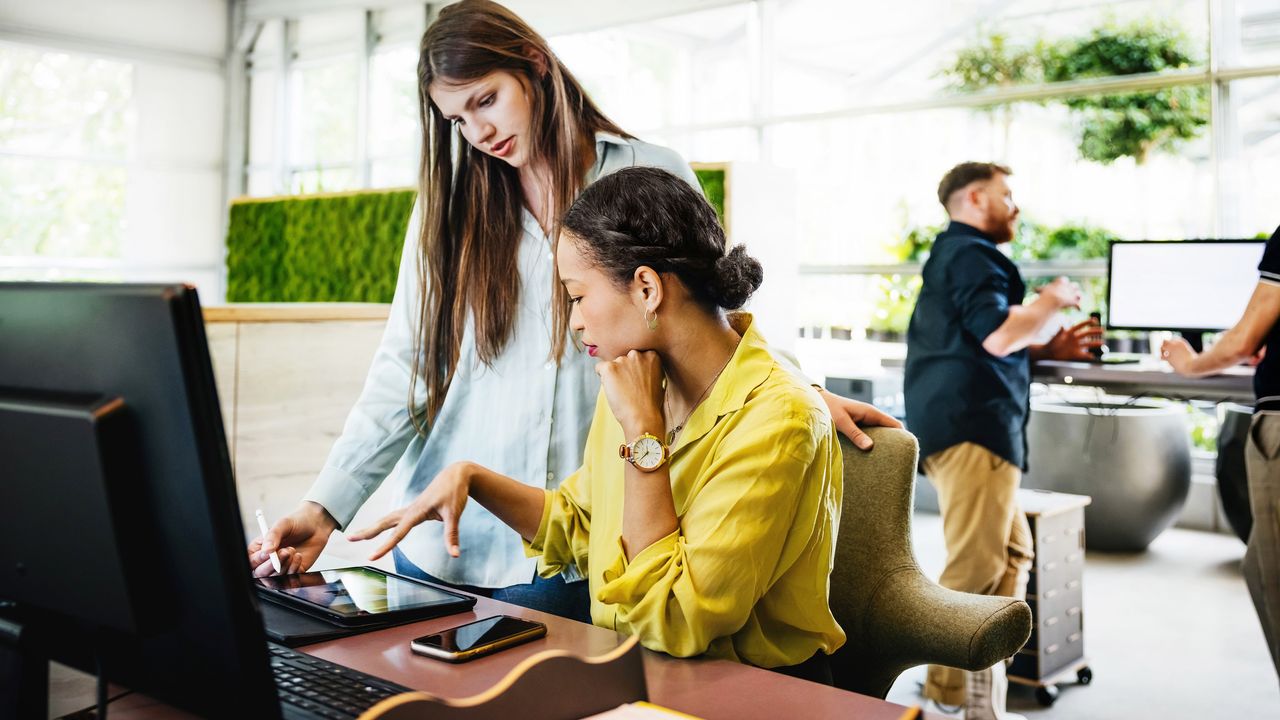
x: 471, y: 202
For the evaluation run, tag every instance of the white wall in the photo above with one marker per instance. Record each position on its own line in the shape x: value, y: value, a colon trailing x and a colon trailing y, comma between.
x: 174, y: 206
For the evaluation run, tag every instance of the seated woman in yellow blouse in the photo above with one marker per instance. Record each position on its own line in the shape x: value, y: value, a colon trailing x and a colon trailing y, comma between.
x: 705, y: 511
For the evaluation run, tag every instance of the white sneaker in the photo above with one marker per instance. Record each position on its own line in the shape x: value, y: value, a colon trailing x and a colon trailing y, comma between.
x: 985, y: 693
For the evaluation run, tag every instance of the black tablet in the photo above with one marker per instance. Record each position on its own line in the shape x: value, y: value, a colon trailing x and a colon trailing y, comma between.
x: 362, y: 596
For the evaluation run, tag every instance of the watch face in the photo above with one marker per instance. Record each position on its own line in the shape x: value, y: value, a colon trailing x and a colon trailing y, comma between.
x: 647, y: 453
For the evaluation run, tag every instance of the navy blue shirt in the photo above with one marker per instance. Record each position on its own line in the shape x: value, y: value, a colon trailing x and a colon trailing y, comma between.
x: 1266, y: 378
x: 956, y: 391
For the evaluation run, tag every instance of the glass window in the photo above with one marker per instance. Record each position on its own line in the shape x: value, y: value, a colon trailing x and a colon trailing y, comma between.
x: 830, y: 54
x: 264, y: 90
x: 109, y: 170
x: 863, y: 182
x: 67, y: 125
x: 1165, y: 194
x: 324, y: 101
x: 321, y: 181
x: 1251, y: 175
x: 322, y: 117
x: 394, y: 172
x: 1257, y: 34
x: 260, y: 183
x: 637, y: 81
x: 394, y: 131
x: 61, y: 208
x: 730, y: 144
x: 63, y: 104
x: 680, y: 70
x: 720, y: 50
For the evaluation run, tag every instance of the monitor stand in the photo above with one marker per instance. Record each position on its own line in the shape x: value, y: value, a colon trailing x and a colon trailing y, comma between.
x: 1194, y: 339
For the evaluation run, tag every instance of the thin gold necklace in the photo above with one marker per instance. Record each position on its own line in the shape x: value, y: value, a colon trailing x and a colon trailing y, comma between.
x: 666, y: 399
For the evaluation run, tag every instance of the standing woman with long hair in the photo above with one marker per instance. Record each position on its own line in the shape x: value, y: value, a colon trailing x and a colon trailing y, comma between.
x: 474, y: 363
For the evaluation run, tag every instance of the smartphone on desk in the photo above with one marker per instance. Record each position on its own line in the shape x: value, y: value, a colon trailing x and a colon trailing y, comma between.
x: 484, y: 636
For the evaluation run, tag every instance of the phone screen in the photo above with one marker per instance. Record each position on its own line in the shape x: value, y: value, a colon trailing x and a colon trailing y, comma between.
x: 477, y: 634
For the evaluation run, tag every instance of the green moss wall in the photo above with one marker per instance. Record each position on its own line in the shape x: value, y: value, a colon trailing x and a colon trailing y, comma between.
x: 712, y: 181
x: 335, y: 248
x: 324, y: 248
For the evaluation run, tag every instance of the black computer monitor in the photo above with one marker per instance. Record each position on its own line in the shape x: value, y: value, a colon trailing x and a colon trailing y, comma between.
x: 1187, y: 286
x: 120, y: 375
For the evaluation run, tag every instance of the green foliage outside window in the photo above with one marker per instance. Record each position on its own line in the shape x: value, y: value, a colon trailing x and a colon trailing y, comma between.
x: 1112, y: 126
x: 1130, y: 124
x: 915, y: 243
x: 897, y: 294
x: 1034, y: 241
x: 994, y: 62
x: 1066, y: 242
x: 897, y: 300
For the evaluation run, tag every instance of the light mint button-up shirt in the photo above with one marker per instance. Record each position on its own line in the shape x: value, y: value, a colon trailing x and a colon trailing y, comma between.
x: 525, y: 416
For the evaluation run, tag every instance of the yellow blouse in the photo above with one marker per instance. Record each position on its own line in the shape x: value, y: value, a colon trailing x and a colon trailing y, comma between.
x: 756, y: 478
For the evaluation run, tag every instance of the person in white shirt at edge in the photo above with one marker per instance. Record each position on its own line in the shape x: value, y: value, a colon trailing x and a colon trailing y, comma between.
x: 476, y: 362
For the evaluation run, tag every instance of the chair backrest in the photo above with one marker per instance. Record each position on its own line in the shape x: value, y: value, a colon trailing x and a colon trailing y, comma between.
x: 894, y: 616
x: 875, y: 526
x: 879, y: 489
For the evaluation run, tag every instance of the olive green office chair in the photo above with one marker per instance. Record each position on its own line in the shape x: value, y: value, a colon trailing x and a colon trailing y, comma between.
x: 895, y: 617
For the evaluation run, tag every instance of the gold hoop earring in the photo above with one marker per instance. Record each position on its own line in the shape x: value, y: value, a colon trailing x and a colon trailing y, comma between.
x: 651, y: 322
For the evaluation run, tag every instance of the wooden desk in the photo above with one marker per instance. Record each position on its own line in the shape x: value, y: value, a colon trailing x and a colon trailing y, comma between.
x: 708, y: 689
x: 1148, y: 378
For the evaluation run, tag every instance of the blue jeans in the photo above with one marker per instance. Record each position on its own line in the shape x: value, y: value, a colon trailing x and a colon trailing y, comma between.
x: 551, y: 595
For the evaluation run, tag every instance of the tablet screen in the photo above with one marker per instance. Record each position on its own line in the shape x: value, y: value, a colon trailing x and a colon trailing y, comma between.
x: 352, y: 592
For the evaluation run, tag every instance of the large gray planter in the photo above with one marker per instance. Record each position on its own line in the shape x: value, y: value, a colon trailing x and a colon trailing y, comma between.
x: 1133, y: 459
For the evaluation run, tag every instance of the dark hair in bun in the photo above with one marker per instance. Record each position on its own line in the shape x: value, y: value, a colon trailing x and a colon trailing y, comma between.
x: 646, y: 216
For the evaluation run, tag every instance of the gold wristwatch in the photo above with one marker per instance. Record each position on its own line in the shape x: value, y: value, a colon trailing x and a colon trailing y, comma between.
x: 646, y: 453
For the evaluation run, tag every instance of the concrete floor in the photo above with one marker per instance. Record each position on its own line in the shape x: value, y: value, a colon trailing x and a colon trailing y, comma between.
x: 1169, y: 633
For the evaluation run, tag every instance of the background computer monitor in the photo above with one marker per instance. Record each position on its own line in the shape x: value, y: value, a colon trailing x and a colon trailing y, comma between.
x: 1189, y: 286
x: 186, y: 628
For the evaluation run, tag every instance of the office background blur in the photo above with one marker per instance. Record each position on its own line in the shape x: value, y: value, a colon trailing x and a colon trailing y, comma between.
x: 128, y: 126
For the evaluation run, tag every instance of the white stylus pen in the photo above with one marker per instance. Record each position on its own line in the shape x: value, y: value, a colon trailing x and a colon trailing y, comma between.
x: 262, y: 525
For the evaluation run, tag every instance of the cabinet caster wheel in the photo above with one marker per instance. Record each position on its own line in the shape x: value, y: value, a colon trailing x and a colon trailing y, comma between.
x: 1084, y: 675
x: 1046, y: 695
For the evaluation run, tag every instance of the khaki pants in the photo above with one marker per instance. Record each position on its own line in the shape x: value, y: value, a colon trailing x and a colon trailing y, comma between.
x: 989, y: 545
x: 1262, y: 559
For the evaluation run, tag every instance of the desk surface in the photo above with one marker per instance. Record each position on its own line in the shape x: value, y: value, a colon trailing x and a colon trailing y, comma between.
x: 705, y: 688
x: 1148, y: 378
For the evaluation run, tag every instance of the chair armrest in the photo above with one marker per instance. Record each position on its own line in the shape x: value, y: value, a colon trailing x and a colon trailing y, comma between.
x: 920, y: 622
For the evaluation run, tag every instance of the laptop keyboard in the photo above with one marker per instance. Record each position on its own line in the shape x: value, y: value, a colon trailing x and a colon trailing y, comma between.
x: 323, y: 689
